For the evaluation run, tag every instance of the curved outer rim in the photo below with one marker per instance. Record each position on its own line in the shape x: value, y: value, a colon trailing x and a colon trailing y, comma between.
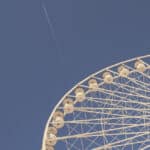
x: 79, y: 83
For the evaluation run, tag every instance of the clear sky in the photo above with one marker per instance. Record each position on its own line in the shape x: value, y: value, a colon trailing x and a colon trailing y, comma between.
x: 41, y: 58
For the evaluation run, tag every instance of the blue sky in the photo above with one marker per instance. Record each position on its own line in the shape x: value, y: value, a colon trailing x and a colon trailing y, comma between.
x: 41, y: 59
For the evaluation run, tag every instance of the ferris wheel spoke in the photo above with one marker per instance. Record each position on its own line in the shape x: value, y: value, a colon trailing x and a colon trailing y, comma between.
x: 100, y: 133
x: 124, y: 140
x: 116, y: 93
x: 131, y: 80
x: 110, y: 108
x: 141, y: 84
x: 121, y: 99
x: 127, y: 143
x: 92, y: 121
x: 122, y: 86
x: 131, y: 90
x: 142, y: 73
x: 115, y: 102
x: 128, y: 87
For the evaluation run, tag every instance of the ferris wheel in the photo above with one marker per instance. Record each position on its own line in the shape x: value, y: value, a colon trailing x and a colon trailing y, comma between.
x: 109, y: 110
